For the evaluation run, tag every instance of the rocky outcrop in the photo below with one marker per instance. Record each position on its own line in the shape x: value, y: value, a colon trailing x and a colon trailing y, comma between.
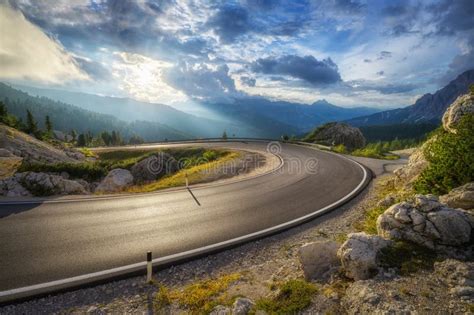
x: 31, y: 149
x: 337, y: 133
x: 359, y: 255
x: 416, y: 164
x: 461, y: 197
x: 9, y: 163
x: 154, y: 167
x: 426, y: 222
x: 39, y: 184
x: 459, y: 276
x: 116, y: 180
x: 319, y: 259
x: 463, y: 105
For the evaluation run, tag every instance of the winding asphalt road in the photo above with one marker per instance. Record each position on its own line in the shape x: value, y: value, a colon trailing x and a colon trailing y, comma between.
x: 50, y: 241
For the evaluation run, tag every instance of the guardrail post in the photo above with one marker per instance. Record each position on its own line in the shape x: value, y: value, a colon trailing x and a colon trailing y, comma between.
x: 186, y: 177
x: 149, y: 266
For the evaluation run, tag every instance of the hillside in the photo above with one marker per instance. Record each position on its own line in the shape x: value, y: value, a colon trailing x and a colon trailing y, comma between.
x: 428, y: 108
x: 297, y: 117
x: 131, y: 110
x: 67, y: 117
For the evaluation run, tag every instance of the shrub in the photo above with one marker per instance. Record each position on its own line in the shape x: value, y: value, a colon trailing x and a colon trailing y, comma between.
x: 294, y: 296
x: 88, y: 170
x: 451, y: 159
x: 407, y: 257
x: 340, y: 148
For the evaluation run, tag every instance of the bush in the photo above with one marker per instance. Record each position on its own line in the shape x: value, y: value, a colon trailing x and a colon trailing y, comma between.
x: 451, y: 159
x: 294, y: 296
x: 89, y: 171
x: 340, y: 148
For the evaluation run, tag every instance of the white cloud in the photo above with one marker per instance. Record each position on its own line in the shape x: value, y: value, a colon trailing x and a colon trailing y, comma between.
x: 141, y: 78
x: 26, y: 53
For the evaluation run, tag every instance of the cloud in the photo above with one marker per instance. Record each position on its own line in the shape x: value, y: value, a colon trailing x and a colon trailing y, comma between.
x: 381, y: 87
x: 384, y: 55
x: 203, y: 81
x: 230, y: 22
x: 307, y: 68
x: 248, y: 81
x: 27, y: 53
x: 380, y: 72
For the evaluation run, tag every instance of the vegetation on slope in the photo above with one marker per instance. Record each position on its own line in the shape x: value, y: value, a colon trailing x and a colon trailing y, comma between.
x: 451, y: 159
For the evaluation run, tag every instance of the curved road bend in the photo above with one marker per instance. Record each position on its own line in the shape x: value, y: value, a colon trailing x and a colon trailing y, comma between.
x: 52, y: 241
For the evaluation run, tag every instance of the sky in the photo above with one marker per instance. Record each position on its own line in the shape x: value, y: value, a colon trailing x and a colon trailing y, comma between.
x: 374, y: 53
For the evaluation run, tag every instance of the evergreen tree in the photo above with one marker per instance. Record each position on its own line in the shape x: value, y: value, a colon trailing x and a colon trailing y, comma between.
x: 224, y: 135
x: 3, y: 112
x: 73, y: 135
x: 49, y: 125
x: 31, y: 125
x: 81, y: 140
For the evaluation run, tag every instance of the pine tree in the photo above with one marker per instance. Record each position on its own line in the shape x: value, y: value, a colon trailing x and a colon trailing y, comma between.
x: 73, y: 135
x: 31, y: 125
x: 3, y: 112
x: 224, y: 135
x: 49, y: 125
x: 81, y: 140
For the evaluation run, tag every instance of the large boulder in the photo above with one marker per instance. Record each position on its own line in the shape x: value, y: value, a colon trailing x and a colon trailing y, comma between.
x: 336, y: 133
x: 426, y: 222
x: 359, y: 255
x: 463, y: 105
x: 408, y: 173
x: 461, y: 197
x: 40, y: 184
x: 319, y: 259
x: 116, y: 180
x: 154, y: 167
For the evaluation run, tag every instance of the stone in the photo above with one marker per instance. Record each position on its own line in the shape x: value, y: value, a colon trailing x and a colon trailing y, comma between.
x: 5, y: 153
x: 453, y: 226
x: 10, y: 187
x: 460, y: 197
x: 242, y: 306
x: 116, y: 180
x: 458, y: 275
x: 359, y: 255
x: 387, y: 201
x: 432, y: 224
x: 462, y: 106
x: 319, y: 259
x: 220, y: 310
x: 336, y: 133
x: 416, y: 164
x: 154, y: 167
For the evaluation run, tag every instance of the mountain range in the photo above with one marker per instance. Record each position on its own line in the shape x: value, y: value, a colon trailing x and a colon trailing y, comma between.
x: 428, y: 108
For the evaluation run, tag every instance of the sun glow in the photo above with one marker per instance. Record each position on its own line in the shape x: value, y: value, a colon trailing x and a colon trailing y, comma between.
x: 141, y: 77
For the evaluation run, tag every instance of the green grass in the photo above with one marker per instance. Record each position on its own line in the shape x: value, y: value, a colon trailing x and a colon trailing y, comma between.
x: 409, y: 258
x: 294, y: 296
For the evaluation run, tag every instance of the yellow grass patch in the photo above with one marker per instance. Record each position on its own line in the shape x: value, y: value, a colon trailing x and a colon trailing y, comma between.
x: 196, y: 174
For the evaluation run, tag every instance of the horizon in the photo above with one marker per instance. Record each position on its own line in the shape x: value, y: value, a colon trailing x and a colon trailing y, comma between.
x: 188, y: 53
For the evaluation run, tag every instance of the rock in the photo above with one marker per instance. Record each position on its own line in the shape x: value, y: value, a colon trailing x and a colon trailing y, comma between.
x: 319, y: 259
x: 61, y: 136
x: 242, y: 306
x: 362, y: 298
x: 10, y: 187
x: 336, y: 133
x: 154, y: 167
x: 416, y: 164
x: 40, y: 184
x: 5, y: 153
x: 463, y: 105
x: 116, y: 180
x: 430, y: 224
x: 359, y: 254
x: 458, y: 275
x: 220, y: 310
x: 387, y: 201
x: 461, y: 197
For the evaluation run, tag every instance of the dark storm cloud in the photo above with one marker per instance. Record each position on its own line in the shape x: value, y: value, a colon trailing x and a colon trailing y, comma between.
x: 307, y: 68
x: 230, y: 22
x: 453, y: 16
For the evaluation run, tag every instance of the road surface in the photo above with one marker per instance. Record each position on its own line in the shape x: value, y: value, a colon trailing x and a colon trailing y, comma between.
x: 51, y: 241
